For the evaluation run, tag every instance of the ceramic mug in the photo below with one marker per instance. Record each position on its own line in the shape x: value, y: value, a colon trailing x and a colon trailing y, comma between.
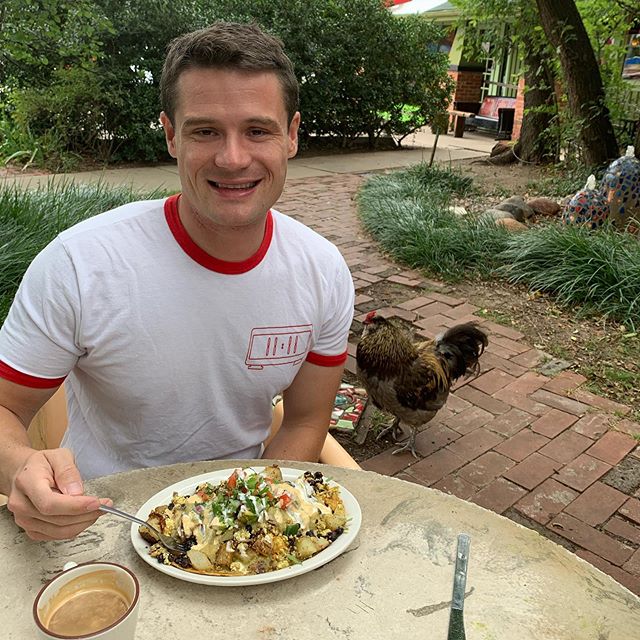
x: 87, y: 601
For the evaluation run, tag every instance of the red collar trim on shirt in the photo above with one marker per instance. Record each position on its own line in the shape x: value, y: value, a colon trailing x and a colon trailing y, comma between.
x: 201, y: 256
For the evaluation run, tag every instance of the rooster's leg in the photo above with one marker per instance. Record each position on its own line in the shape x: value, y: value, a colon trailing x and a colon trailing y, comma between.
x: 394, y: 428
x: 409, y: 445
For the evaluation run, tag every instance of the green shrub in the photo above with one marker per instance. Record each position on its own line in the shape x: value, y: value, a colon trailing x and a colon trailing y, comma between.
x: 362, y: 71
x: 65, y: 118
x: 358, y: 66
x: 133, y: 54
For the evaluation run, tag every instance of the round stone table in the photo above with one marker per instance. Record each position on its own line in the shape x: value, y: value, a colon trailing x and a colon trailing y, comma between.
x: 395, y: 580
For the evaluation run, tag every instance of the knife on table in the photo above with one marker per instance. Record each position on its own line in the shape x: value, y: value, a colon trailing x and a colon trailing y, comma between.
x: 456, y: 615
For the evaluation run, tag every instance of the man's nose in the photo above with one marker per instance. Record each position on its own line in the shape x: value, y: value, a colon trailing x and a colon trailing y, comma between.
x: 233, y: 153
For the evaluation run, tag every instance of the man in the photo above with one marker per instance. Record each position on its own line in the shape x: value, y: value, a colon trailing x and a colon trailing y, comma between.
x: 173, y: 323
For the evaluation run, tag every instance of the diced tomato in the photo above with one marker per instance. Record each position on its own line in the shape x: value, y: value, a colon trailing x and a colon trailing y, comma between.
x: 284, y: 500
x: 233, y: 479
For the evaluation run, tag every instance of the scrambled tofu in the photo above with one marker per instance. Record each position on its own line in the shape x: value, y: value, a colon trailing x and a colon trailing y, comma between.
x: 250, y: 523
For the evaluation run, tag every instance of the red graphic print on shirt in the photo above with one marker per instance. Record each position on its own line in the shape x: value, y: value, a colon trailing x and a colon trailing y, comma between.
x: 269, y: 346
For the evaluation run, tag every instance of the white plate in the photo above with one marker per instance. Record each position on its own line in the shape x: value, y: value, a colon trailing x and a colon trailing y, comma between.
x: 354, y: 519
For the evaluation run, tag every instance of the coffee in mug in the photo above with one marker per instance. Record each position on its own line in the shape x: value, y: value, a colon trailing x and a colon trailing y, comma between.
x: 92, y: 600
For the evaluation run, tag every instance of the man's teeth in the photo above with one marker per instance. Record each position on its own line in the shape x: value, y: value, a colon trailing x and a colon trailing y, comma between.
x: 222, y: 185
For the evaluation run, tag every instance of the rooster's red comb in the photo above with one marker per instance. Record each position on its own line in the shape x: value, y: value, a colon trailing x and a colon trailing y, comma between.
x: 370, y: 316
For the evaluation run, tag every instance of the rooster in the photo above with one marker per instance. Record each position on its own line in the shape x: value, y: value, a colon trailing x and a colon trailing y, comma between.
x: 411, y: 380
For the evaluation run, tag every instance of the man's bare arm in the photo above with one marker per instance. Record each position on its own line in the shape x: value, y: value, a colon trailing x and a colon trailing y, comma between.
x: 18, y: 406
x: 44, y: 487
x: 308, y: 404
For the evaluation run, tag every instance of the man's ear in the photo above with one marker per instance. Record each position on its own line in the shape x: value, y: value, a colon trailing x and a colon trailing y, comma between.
x: 293, y: 135
x: 169, y: 134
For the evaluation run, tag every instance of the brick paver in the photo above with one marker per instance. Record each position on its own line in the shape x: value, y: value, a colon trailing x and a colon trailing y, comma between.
x: 532, y: 470
x: 612, y: 447
x: 522, y: 444
x: 597, y: 504
x: 546, y: 501
x: 553, y: 423
x: 534, y: 446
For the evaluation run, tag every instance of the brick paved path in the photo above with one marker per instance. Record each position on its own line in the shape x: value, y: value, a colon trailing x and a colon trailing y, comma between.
x: 543, y: 451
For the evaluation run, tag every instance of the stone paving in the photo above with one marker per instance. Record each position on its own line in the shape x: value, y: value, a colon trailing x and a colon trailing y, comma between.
x: 539, y: 449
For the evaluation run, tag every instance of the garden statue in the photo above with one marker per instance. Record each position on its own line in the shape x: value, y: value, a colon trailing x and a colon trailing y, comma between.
x: 621, y: 186
x: 588, y: 207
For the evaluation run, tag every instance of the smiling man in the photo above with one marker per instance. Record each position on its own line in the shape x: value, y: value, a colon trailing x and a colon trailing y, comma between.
x: 173, y: 323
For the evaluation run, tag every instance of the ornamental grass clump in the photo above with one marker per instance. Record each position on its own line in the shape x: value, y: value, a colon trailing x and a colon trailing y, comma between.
x: 408, y: 212
x: 598, y: 269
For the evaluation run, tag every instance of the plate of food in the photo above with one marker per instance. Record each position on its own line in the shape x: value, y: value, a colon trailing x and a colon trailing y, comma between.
x: 248, y: 526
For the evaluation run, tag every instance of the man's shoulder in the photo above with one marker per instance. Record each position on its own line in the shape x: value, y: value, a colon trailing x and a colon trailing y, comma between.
x: 137, y: 212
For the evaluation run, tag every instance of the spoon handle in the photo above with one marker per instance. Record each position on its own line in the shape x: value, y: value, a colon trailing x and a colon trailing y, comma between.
x: 122, y: 514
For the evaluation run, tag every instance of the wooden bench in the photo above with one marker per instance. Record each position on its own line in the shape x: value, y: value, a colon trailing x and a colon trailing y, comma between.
x: 457, y: 122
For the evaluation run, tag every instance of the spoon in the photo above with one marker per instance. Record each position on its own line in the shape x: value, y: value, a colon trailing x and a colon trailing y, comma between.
x: 167, y: 541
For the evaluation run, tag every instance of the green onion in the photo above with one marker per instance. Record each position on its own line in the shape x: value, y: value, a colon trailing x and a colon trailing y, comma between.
x: 292, y: 529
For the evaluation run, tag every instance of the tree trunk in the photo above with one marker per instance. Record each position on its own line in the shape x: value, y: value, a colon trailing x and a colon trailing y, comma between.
x: 564, y: 29
x: 536, y: 143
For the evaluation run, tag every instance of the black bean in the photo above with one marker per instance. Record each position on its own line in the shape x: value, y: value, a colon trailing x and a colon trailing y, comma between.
x: 334, y: 535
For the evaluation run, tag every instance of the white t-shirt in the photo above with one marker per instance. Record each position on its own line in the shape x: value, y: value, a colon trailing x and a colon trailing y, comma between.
x: 167, y: 353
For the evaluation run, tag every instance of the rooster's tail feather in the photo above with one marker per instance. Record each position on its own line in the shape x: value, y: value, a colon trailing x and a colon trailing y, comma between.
x: 461, y: 346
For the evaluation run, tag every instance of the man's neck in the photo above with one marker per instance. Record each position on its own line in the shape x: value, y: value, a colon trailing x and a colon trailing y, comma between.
x: 231, y: 244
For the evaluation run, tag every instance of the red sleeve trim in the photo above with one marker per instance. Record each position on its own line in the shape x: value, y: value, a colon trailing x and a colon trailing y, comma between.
x: 327, y: 361
x: 24, y: 379
x: 198, y: 254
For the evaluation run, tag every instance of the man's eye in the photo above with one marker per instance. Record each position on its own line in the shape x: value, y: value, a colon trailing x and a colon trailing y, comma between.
x: 205, y: 132
x: 256, y: 133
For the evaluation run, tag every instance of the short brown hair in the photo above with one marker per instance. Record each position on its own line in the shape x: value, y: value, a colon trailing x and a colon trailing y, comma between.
x: 227, y: 45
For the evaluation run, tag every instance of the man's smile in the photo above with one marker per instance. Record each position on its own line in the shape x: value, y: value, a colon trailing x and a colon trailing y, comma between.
x: 229, y: 185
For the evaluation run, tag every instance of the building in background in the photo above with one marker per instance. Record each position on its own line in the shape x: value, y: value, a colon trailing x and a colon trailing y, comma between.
x: 490, y: 86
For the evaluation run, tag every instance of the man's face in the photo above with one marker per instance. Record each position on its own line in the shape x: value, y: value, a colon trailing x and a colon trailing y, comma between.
x: 232, y: 142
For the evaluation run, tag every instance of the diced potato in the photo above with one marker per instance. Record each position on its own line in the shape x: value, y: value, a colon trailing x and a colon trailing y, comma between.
x: 261, y: 546
x: 280, y: 517
x: 199, y: 560
x: 333, y: 521
x: 308, y: 546
x: 273, y: 472
x: 224, y: 557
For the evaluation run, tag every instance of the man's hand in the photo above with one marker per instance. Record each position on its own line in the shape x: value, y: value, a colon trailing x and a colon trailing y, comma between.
x: 47, y: 498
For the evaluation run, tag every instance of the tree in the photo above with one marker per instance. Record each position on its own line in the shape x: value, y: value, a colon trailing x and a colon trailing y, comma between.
x: 565, y: 30
x: 537, y: 143
x: 362, y: 71
x: 38, y: 36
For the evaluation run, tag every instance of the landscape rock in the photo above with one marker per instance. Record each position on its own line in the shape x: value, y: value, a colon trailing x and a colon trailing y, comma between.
x: 459, y: 211
x: 544, y: 207
x: 515, y: 210
x: 519, y: 201
x: 553, y: 366
x: 511, y: 224
x: 497, y: 214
